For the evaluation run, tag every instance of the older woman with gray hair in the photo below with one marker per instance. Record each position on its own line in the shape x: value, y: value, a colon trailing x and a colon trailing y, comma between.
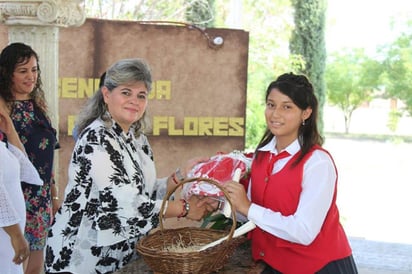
x: 113, y: 197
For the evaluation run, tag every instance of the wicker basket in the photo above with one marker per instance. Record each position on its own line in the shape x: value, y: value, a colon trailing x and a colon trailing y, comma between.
x: 154, y: 246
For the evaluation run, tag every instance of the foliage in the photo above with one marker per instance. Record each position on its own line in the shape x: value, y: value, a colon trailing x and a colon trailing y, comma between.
x: 308, y: 42
x: 200, y: 12
x: 397, y: 77
x: 218, y: 221
x: 269, y: 26
x: 351, y: 77
x: 393, y: 120
x: 255, y: 124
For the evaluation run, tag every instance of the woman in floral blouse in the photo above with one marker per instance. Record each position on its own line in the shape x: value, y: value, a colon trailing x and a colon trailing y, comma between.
x: 21, y: 87
x: 113, y: 197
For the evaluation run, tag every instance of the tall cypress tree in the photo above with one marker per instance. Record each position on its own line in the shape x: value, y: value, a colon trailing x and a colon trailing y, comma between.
x: 308, y: 42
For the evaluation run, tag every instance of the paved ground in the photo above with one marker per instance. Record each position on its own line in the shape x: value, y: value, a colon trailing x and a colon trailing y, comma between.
x: 375, y: 189
x: 374, y: 257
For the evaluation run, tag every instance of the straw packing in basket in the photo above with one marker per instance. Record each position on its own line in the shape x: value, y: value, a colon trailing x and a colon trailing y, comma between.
x: 182, y: 245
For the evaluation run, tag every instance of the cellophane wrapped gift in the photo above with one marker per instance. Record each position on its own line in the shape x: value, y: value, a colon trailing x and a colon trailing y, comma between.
x: 221, y: 168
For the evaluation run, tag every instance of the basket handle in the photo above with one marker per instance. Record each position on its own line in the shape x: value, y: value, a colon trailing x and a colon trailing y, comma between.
x: 207, y: 180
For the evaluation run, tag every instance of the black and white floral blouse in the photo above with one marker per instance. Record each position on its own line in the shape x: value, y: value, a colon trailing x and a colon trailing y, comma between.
x: 112, y: 199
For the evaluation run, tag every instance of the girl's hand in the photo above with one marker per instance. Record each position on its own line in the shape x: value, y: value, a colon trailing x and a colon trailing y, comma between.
x: 238, y: 197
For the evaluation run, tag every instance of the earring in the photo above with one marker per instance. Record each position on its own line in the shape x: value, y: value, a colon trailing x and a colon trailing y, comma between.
x: 106, y: 114
x: 303, y: 122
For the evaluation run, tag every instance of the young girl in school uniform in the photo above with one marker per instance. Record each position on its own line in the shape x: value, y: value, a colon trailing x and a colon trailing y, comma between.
x: 292, y: 191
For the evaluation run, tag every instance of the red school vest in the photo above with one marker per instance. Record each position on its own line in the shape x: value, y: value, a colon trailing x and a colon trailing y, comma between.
x: 281, y: 194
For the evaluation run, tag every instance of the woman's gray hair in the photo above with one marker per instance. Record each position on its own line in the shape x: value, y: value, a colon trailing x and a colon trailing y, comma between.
x: 123, y: 72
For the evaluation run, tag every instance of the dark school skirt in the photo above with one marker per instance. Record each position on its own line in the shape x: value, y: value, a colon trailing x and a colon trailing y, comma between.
x: 343, y: 266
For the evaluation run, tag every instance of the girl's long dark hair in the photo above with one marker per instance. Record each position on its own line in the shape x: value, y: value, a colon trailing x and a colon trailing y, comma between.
x: 299, y: 89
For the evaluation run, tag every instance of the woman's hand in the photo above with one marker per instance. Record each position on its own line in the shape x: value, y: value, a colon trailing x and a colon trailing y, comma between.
x: 181, y: 174
x: 18, y: 242
x: 238, y: 197
x: 197, y: 208
x: 212, y: 204
x: 56, y: 203
x: 55, y: 206
x: 21, y: 249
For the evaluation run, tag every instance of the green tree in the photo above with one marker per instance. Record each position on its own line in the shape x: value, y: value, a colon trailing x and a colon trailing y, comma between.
x: 200, y: 12
x: 351, y: 77
x: 308, y: 42
x: 397, y: 77
x: 269, y: 26
x: 393, y: 120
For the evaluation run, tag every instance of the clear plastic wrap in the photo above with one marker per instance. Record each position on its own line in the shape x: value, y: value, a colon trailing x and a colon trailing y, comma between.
x: 220, y: 168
